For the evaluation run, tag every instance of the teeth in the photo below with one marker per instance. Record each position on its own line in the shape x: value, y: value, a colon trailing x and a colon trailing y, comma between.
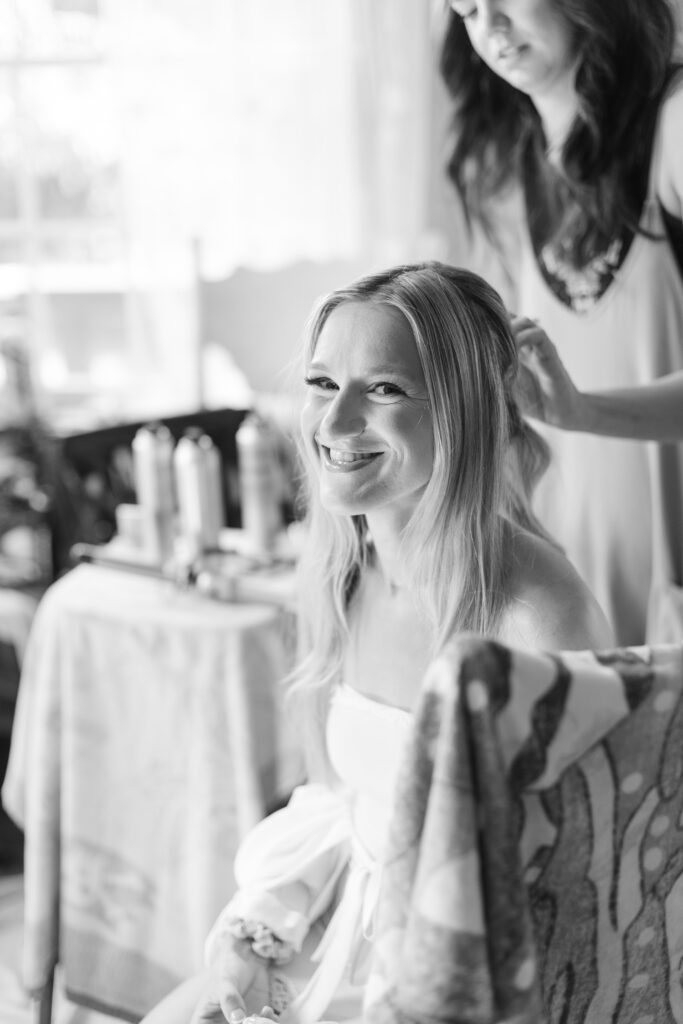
x: 342, y: 457
x: 508, y: 51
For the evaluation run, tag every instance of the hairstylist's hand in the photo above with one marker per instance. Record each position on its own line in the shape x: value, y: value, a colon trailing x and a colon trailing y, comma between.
x: 543, y: 388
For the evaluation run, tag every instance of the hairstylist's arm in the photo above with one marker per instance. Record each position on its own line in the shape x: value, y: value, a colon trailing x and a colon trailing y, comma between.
x: 545, y: 391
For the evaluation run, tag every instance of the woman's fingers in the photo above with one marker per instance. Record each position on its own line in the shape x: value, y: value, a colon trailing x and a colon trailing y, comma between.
x: 209, y: 1011
x: 534, y: 345
x: 221, y: 1002
x: 232, y: 1005
x: 543, y: 387
x: 264, y: 1017
x: 527, y: 393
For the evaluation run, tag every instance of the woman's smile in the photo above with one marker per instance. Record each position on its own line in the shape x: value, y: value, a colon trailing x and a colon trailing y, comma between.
x: 367, y: 421
x: 342, y: 460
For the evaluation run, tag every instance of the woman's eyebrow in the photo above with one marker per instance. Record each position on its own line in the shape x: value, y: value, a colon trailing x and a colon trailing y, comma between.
x: 381, y: 370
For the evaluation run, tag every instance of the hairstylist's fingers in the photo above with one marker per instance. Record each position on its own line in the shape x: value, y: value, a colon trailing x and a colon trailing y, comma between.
x: 526, y: 393
x: 538, y: 352
x: 531, y: 336
x: 517, y: 321
x: 523, y: 326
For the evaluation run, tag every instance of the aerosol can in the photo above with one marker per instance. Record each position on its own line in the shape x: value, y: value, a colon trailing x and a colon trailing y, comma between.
x: 197, y: 469
x: 260, y: 485
x: 153, y: 470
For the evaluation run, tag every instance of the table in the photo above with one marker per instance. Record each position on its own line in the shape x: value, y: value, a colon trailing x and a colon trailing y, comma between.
x: 149, y: 736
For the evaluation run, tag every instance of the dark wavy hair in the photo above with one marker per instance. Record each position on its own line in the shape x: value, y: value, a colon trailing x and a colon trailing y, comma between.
x: 625, y: 62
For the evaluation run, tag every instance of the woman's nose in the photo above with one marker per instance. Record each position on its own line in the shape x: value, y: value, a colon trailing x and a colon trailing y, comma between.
x: 344, y: 417
x: 492, y: 18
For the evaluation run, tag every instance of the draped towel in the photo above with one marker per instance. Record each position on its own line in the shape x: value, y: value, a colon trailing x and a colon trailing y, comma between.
x: 535, y: 863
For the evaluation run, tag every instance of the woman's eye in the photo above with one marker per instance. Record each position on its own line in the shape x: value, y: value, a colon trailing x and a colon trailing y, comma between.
x: 320, y: 383
x: 386, y: 390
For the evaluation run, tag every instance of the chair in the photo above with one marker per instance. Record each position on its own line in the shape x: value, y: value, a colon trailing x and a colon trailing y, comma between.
x: 535, y: 865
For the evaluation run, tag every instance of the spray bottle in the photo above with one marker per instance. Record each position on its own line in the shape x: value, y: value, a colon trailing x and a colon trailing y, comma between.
x: 197, y: 468
x: 260, y: 485
x: 153, y: 469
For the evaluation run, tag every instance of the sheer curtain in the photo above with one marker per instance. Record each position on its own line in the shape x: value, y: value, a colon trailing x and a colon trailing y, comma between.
x: 274, y: 130
x: 147, y: 145
x: 256, y: 134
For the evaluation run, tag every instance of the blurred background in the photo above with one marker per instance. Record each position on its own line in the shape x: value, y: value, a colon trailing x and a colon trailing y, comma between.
x: 180, y: 180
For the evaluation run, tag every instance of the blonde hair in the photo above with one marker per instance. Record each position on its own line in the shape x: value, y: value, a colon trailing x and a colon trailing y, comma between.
x: 486, y: 463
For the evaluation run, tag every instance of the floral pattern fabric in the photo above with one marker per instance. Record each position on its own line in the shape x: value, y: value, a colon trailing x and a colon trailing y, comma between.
x: 581, y: 287
x: 535, y: 862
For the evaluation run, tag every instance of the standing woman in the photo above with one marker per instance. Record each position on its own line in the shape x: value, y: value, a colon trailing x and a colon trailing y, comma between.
x: 579, y: 103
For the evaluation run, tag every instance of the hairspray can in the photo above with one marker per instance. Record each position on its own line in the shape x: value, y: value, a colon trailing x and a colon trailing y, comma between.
x: 153, y: 469
x: 197, y: 468
x: 260, y: 485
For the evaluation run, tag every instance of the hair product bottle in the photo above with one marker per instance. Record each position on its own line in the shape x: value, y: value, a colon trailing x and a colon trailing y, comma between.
x: 260, y: 485
x: 153, y: 469
x: 197, y: 468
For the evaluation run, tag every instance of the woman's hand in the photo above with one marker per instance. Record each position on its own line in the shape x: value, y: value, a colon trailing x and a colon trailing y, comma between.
x: 267, y: 1016
x: 233, y: 971
x: 543, y: 388
x: 226, y: 1004
x: 221, y: 1001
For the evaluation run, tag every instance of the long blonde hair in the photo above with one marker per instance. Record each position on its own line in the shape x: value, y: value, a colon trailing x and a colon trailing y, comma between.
x: 486, y: 463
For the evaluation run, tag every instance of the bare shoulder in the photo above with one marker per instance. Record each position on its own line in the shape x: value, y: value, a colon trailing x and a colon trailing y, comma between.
x: 670, y: 183
x: 550, y: 606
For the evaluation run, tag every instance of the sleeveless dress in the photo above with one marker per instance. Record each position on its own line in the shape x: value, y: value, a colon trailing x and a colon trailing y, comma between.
x: 311, y: 872
x: 616, y: 506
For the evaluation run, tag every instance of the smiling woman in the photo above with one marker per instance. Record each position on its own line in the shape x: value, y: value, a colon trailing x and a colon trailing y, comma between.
x: 409, y: 374
x: 419, y: 473
x: 367, y: 419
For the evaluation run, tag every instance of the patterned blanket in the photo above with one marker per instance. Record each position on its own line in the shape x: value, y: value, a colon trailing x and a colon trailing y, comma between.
x: 535, y: 868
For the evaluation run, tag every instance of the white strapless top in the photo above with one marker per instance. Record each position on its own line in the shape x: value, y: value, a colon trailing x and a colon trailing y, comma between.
x: 365, y: 743
x: 327, y: 842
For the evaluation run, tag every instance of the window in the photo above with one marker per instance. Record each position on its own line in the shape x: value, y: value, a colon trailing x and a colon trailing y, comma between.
x: 146, y: 145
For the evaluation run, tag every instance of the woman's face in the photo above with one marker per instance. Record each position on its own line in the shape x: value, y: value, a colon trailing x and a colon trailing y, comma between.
x: 367, y: 423
x: 528, y: 43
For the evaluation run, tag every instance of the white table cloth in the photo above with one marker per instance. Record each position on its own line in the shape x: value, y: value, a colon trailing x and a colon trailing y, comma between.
x: 149, y: 736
